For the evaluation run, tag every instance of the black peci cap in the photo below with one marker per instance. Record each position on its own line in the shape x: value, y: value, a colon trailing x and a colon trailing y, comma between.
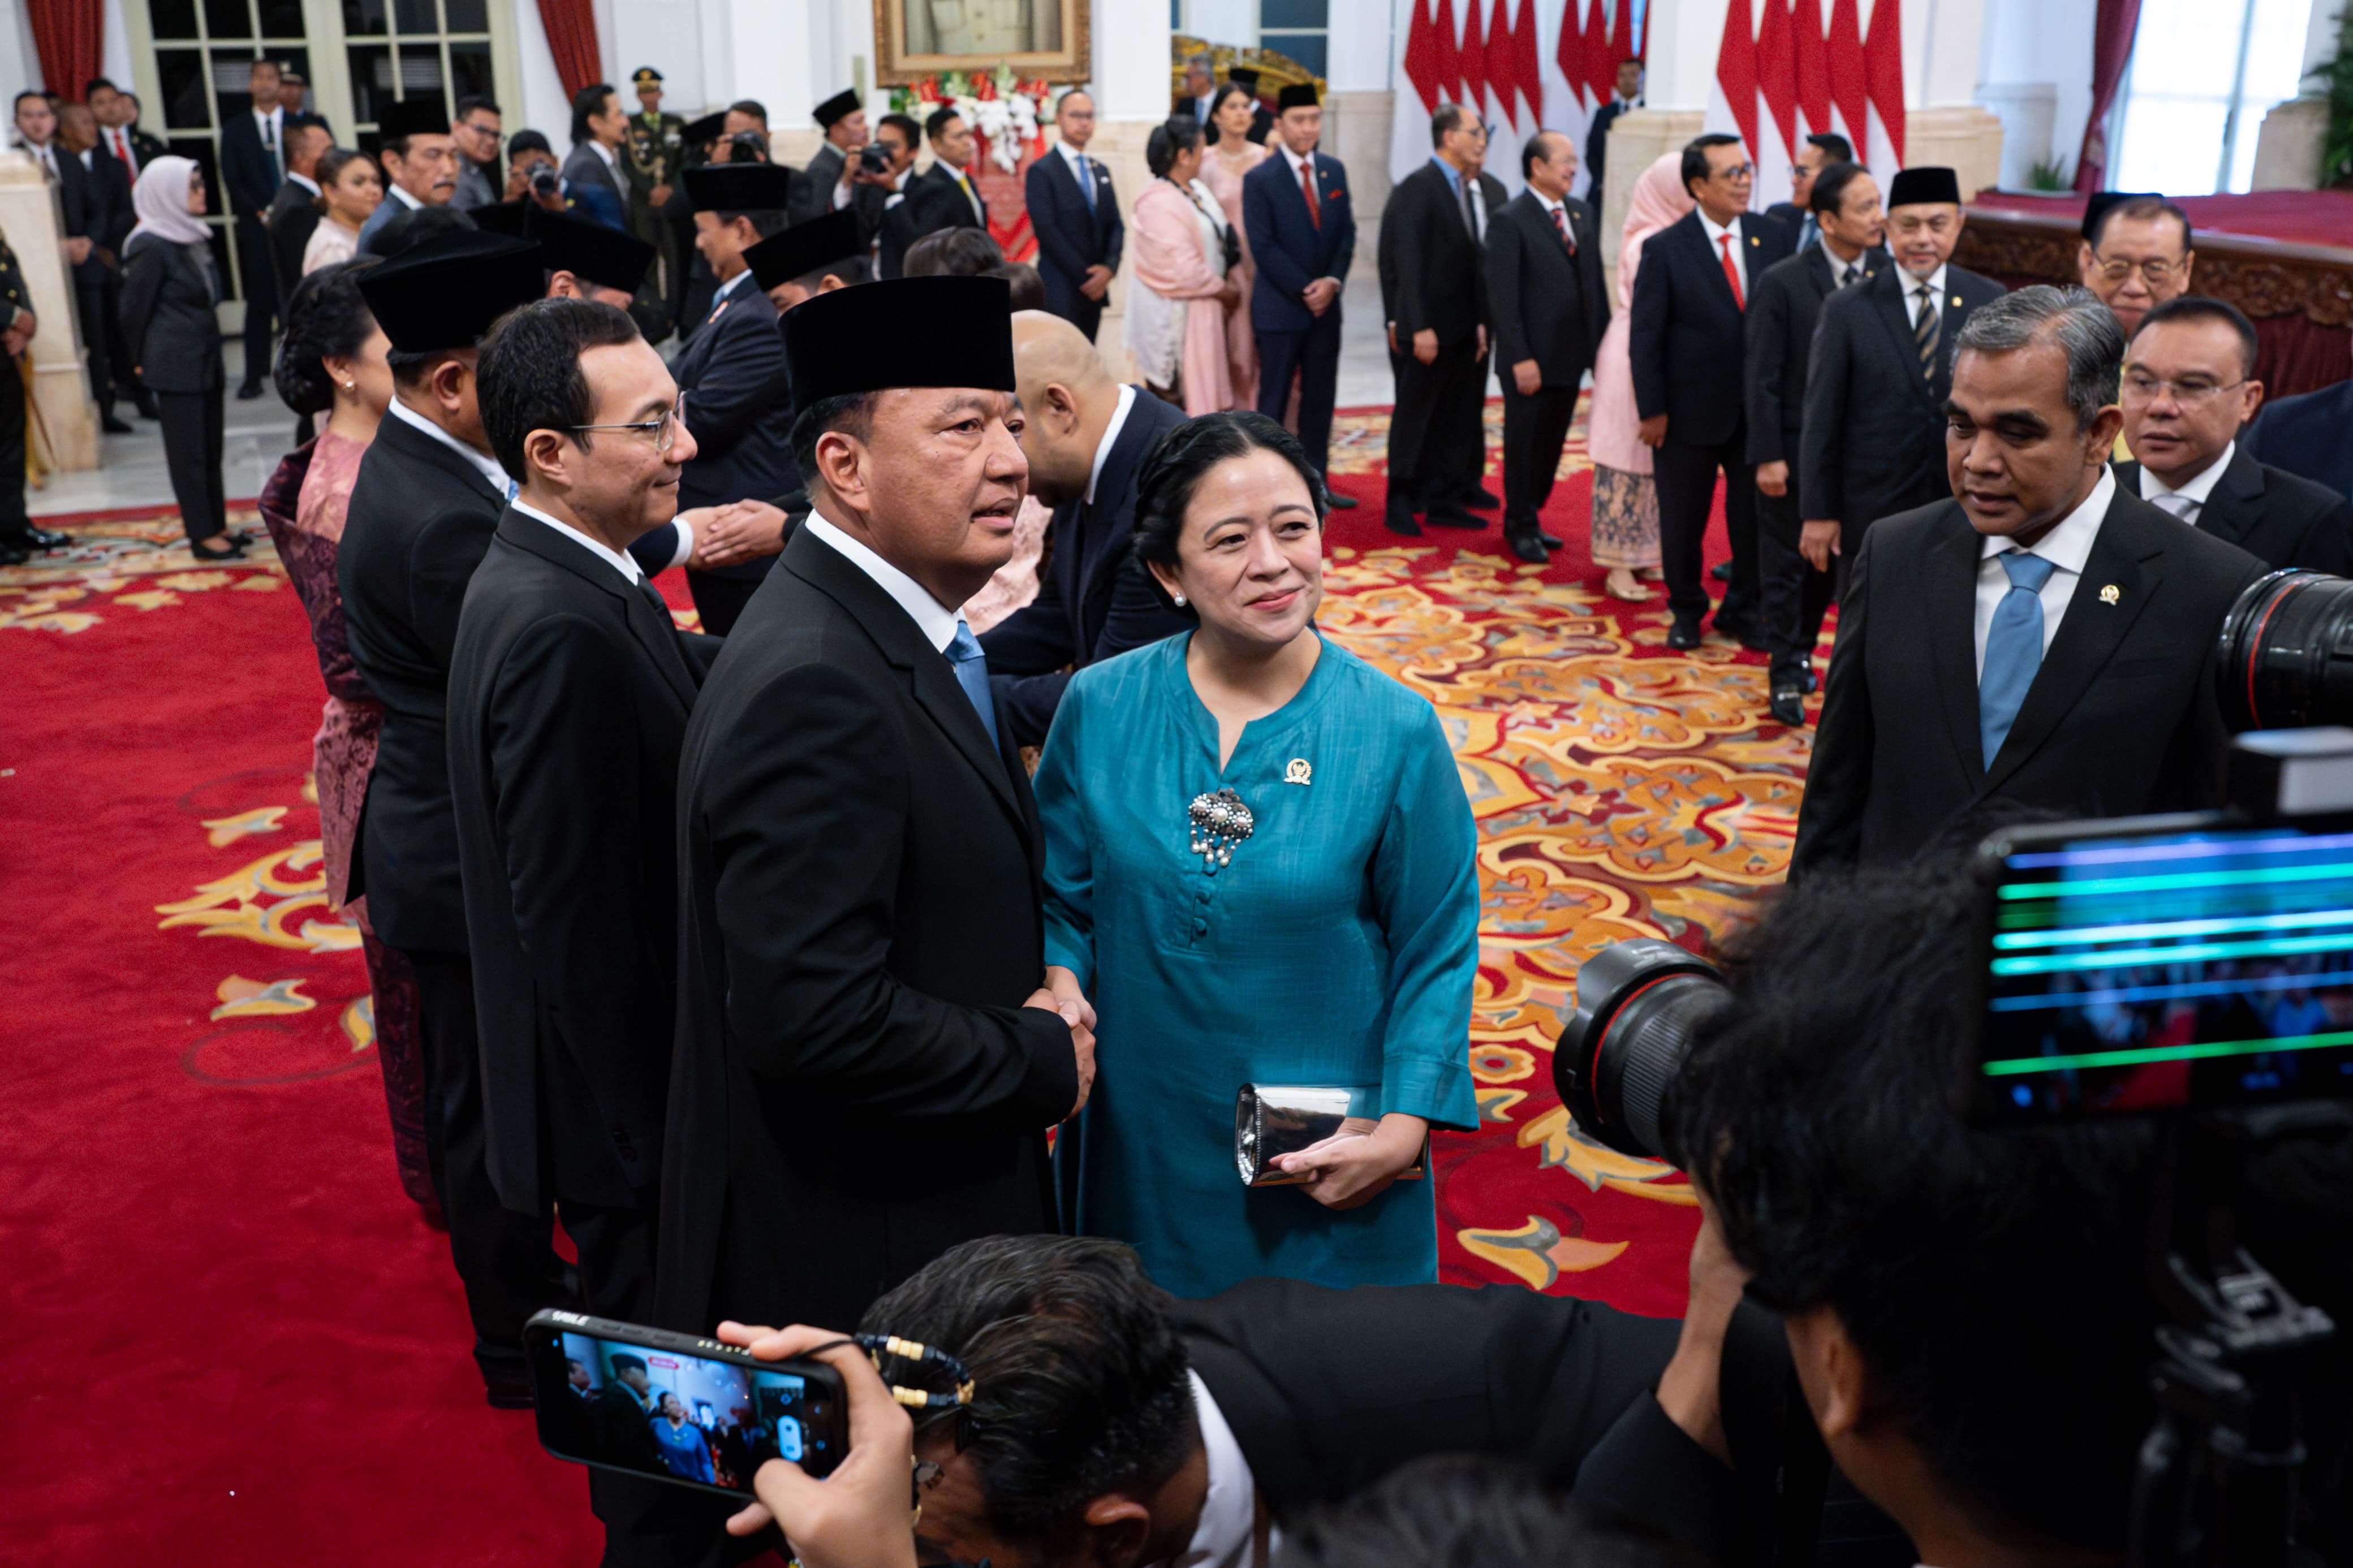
x: 1243, y: 77
x: 739, y: 187
x: 1924, y: 186
x: 840, y: 106
x: 909, y: 331
x: 804, y: 248
x: 608, y: 258
x: 1298, y: 95
x: 445, y: 293
x: 710, y: 128
x: 501, y: 218
x: 427, y: 116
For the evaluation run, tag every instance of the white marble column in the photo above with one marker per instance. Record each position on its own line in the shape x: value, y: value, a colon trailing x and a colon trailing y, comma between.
x: 1131, y: 87
x: 60, y: 390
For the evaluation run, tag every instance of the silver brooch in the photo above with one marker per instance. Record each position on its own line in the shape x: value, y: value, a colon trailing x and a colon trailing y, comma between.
x: 1219, y: 821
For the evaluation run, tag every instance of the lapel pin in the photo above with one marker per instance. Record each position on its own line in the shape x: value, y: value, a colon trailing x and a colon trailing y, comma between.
x: 1956, y: 301
x: 1298, y: 772
x: 2111, y: 594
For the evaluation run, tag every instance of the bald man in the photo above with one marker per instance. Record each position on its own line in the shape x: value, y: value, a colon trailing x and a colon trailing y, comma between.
x: 1086, y: 439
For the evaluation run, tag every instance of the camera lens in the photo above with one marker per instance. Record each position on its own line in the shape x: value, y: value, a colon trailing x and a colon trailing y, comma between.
x: 2285, y: 658
x: 1639, y: 1004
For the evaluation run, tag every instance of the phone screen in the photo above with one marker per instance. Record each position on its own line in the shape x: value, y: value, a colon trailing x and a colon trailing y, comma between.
x: 696, y: 1419
x: 2135, y: 972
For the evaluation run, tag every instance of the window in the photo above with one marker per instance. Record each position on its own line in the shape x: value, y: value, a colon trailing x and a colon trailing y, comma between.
x: 415, y: 48
x: 1297, y: 28
x: 203, y: 51
x: 2203, y: 74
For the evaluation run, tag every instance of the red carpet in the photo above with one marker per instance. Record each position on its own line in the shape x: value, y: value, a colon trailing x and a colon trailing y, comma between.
x: 234, y: 1340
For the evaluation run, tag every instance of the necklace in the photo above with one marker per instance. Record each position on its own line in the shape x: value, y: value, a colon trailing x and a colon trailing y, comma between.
x: 1218, y: 821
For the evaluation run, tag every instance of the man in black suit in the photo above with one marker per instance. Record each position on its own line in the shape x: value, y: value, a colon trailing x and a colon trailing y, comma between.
x: 293, y: 212
x: 622, y: 1415
x: 1691, y: 298
x: 833, y: 180
x: 1629, y: 95
x: 424, y: 509
x: 1881, y: 363
x: 2189, y: 387
x: 868, y: 1059
x: 733, y: 370
x: 1550, y: 307
x: 1818, y: 152
x: 107, y: 194
x: 253, y: 165
x: 1085, y: 441
x: 1789, y: 295
x: 1433, y: 238
x: 2305, y: 435
x: 1075, y: 214
x: 2041, y: 637
x: 943, y: 196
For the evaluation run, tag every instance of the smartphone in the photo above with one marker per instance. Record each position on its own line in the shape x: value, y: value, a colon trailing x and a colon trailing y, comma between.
x: 2163, y: 963
x: 685, y: 1410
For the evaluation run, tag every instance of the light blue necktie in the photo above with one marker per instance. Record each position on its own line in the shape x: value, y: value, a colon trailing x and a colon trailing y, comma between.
x: 2013, y: 650
x: 972, y: 674
x: 1087, y: 185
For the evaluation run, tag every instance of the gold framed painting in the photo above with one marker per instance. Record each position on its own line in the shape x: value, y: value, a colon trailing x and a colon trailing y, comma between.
x: 918, y: 38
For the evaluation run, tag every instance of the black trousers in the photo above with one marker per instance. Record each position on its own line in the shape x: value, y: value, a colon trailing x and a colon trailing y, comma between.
x: 1685, y: 476
x: 192, y: 453
x: 1535, y: 428
x: 644, y: 1522
x: 89, y: 304
x: 720, y: 601
x: 504, y: 1259
x: 1795, y: 596
x: 258, y: 275
x: 1438, y: 447
x: 1313, y: 356
x: 12, y: 519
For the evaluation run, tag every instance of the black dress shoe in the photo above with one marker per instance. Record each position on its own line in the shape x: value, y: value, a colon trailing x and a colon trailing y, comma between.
x: 248, y: 392
x: 1481, y: 499
x: 504, y: 1394
x: 1551, y: 540
x: 1721, y: 571
x: 12, y: 556
x: 1399, y: 518
x: 1529, y: 548
x: 1683, y: 635
x: 113, y: 426
x: 1744, y: 630
x: 1448, y: 515
x: 35, y: 538
x: 1341, y: 502
x: 1789, y: 704
x: 230, y: 549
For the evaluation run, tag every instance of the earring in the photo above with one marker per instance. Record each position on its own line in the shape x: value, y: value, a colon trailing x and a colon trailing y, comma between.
x: 1180, y: 600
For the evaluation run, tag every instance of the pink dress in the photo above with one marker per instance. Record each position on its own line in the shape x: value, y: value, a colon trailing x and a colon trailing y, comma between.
x: 1625, y: 501
x: 1224, y: 178
x: 1167, y: 242
x: 1015, y: 584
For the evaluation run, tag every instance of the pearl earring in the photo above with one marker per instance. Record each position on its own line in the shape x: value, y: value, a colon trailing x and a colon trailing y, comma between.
x: 1180, y: 601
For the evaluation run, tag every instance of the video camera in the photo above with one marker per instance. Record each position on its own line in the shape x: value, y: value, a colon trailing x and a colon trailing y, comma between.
x: 2197, y: 966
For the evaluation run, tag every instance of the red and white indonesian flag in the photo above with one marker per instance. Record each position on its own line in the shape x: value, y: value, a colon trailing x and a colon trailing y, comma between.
x: 1786, y: 71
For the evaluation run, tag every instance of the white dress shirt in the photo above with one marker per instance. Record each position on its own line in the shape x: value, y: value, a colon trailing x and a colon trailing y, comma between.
x: 1933, y: 286
x: 1842, y: 272
x: 606, y: 154
x: 272, y: 130
x: 402, y: 197
x: 2066, y: 547
x: 934, y: 620
x: 44, y: 153
x: 2187, y: 501
x: 482, y: 462
x: 1080, y: 170
x: 118, y: 139
x: 1226, y: 1537
x: 305, y: 181
x: 621, y: 562
x: 1110, y: 435
x: 1715, y: 233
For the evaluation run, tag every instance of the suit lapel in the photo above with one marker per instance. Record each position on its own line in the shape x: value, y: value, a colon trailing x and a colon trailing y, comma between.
x: 2095, y: 625
x: 1950, y: 592
x: 1887, y: 295
x: 528, y: 533
x: 2232, y: 505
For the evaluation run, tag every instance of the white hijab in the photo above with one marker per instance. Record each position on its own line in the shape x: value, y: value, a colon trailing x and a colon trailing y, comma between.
x: 161, y: 200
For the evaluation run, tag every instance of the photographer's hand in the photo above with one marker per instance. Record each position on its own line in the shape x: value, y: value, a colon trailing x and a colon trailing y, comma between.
x: 858, y: 1516
x: 1689, y: 1390
x: 1357, y: 1164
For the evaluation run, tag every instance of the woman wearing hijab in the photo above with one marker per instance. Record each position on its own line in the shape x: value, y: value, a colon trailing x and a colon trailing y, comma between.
x: 170, y: 291
x: 1625, y: 504
x: 1184, y: 254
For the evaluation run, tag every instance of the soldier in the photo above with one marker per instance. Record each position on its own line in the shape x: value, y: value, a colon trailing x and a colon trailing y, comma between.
x: 652, y: 157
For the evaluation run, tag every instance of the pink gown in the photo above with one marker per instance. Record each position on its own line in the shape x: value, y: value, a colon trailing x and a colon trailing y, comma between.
x: 1225, y: 183
x: 1165, y: 244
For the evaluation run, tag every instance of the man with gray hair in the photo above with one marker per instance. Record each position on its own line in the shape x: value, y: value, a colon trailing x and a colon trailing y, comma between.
x: 2043, y: 636
x: 1200, y: 90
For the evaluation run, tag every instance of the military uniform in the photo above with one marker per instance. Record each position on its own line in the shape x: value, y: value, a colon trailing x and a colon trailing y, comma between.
x: 15, y: 298
x: 652, y: 156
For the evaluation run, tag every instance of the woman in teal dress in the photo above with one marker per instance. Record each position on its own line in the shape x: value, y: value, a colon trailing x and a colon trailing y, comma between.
x: 1335, y: 946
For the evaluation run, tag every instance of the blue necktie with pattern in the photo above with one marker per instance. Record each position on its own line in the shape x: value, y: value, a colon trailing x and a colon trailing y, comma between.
x: 972, y: 674
x: 2013, y: 650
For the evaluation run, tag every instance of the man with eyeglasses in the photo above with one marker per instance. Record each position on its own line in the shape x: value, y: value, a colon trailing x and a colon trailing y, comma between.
x: 2189, y: 387
x: 1818, y: 152
x: 475, y: 131
x: 2136, y: 254
x: 570, y: 687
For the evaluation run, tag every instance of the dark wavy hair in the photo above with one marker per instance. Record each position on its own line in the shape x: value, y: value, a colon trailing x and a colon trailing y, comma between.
x: 325, y: 317
x: 1174, y: 468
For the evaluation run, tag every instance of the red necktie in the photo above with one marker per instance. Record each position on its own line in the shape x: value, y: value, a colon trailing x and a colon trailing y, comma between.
x: 1732, y: 272
x: 123, y: 152
x: 1307, y: 189
x: 1560, y: 222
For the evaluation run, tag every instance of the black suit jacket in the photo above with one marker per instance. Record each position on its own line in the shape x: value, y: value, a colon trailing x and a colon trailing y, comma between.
x: 1686, y: 330
x: 733, y: 370
x: 247, y: 168
x: 419, y: 521
x: 82, y: 206
x: 293, y: 218
x: 1441, y: 283
x: 2122, y: 716
x: 1328, y: 1391
x: 169, y: 322
x: 569, y: 694
x: 934, y: 202
x: 1094, y: 598
x: 110, y: 193
x: 2305, y: 435
x: 2277, y: 517
x: 1783, y: 307
x: 812, y: 194
x: 858, y: 1087
x: 1071, y: 238
x: 1545, y: 304
x: 1875, y: 423
x: 1597, y: 141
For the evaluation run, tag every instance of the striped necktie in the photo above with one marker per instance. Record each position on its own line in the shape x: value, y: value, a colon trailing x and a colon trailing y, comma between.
x: 1927, y: 326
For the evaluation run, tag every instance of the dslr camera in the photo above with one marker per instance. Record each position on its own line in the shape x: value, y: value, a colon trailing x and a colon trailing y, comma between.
x: 874, y: 158
x: 544, y: 181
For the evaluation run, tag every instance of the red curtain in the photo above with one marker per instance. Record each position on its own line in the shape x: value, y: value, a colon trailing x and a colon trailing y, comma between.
x: 2112, y: 46
x: 571, y: 36
x: 69, y: 35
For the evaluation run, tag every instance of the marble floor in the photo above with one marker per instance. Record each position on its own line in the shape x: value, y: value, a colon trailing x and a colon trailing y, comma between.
x: 131, y: 471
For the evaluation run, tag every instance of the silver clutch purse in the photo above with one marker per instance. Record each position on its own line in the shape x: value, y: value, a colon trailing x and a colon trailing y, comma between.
x: 1274, y: 1119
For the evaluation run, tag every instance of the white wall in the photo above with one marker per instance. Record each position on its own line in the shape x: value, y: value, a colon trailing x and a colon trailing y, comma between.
x: 20, y: 63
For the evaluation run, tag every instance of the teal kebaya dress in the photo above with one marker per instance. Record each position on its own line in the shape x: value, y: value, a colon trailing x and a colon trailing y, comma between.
x: 1336, y: 948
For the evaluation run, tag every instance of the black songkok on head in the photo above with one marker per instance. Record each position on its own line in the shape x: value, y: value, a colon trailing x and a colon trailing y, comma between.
x: 1922, y: 186
x: 445, y: 293
x: 908, y: 332
x: 804, y: 248
x: 840, y: 105
x: 739, y: 187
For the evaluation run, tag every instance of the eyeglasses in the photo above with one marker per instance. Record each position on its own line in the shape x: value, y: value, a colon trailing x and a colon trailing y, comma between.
x: 664, y: 430
x: 2146, y: 388
x: 1734, y: 171
x: 2156, y: 274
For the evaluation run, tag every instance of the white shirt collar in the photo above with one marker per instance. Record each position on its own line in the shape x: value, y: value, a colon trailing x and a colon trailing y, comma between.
x: 1075, y: 155
x: 1716, y: 231
x: 1110, y: 435
x: 1934, y: 283
x: 274, y: 119
x: 2195, y: 491
x: 621, y: 563
x: 305, y: 181
x: 1225, y: 1537
x: 1296, y: 161
x: 2068, y: 545
x: 405, y: 199
x: 1842, y: 269
x: 605, y: 152
x: 934, y: 620
x: 483, y: 463
x: 1549, y: 205
x: 729, y: 287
